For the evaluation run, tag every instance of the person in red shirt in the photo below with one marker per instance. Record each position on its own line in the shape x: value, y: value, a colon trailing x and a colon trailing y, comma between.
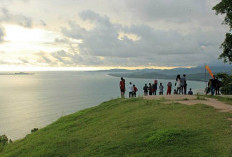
x: 169, y: 90
x: 135, y: 90
x: 122, y: 87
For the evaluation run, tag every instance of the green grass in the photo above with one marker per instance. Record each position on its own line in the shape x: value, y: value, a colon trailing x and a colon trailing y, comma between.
x: 131, y: 128
x: 226, y: 100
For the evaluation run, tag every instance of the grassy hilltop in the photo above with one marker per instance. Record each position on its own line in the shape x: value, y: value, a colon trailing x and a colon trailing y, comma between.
x: 132, y: 127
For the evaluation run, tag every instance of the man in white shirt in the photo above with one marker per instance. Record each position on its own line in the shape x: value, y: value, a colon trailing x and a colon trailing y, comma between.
x: 131, y: 90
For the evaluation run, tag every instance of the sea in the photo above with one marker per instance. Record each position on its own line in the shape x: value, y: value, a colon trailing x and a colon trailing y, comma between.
x: 34, y: 101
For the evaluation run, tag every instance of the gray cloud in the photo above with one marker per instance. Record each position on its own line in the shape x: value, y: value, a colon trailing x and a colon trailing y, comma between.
x: 2, y: 34
x: 63, y: 58
x: 152, y: 32
x: 6, y: 16
x: 177, y: 11
x: 154, y: 48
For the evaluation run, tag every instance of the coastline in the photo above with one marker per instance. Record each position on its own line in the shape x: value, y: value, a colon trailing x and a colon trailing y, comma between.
x: 144, y: 77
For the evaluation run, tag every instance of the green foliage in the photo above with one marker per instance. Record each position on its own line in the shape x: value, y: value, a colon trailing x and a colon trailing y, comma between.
x: 225, y: 7
x: 227, y: 49
x: 3, y: 139
x: 226, y: 83
x: 131, y: 127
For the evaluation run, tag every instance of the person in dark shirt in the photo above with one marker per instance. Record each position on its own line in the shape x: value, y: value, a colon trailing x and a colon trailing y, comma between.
x: 150, y: 89
x: 190, y: 92
x: 185, y: 84
x: 154, y: 87
x: 213, y: 85
x: 145, y: 89
x: 217, y: 87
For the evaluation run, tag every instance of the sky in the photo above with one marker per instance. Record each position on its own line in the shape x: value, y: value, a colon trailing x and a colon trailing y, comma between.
x: 103, y: 34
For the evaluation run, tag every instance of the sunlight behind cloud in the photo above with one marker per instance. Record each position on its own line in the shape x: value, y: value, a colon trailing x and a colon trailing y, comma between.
x: 21, y: 34
x: 28, y: 41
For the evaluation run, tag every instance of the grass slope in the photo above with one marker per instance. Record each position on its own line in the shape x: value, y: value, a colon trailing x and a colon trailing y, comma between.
x: 131, y: 127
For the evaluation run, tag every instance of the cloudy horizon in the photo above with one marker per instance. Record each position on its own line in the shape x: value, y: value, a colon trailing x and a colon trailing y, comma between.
x: 84, y: 34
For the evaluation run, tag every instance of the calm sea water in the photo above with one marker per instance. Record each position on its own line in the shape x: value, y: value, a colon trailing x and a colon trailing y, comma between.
x: 34, y: 101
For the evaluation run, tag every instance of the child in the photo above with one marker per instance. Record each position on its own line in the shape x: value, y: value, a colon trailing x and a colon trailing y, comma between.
x: 161, y: 89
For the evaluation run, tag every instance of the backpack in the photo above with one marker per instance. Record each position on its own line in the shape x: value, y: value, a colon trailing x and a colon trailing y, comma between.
x: 135, y: 89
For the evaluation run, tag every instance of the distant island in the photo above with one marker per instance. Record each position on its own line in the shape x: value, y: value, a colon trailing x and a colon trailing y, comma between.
x: 154, y: 75
x: 17, y: 73
x: 23, y: 73
x: 193, y: 74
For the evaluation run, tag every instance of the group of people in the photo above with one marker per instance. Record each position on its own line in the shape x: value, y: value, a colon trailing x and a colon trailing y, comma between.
x: 213, y: 86
x: 132, y: 88
x: 181, y: 85
x: 154, y: 89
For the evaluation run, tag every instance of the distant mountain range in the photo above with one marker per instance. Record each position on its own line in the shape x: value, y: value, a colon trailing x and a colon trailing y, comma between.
x: 196, y: 73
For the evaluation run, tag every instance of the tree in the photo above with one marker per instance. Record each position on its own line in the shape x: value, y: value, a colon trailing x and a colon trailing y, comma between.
x: 226, y: 83
x: 225, y: 7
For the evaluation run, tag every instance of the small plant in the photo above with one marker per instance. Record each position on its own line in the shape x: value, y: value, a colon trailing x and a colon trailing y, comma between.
x: 200, y: 97
x: 34, y: 130
x: 186, y: 99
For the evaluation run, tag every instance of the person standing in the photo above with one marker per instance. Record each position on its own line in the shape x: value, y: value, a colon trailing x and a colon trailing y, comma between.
x: 178, y: 84
x: 145, y: 89
x: 154, y: 87
x: 122, y: 87
x: 150, y: 89
x: 218, y: 85
x: 135, y: 90
x: 209, y: 86
x: 182, y: 85
x: 169, y: 88
x: 213, y: 85
x: 185, y: 84
x: 131, y: 90
x: 161, y: 89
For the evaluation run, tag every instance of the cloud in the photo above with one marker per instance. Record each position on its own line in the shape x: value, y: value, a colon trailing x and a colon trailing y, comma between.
x: 154, y: 47
x: 6, y: 16
x: 174, y: 10
x: 123, y: 33
x: 2, y: 34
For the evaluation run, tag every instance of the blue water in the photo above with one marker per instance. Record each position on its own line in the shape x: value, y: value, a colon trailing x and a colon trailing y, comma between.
x: 34, y: 101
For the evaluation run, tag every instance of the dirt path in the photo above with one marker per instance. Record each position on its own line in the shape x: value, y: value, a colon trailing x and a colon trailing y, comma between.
x: 192, y: 100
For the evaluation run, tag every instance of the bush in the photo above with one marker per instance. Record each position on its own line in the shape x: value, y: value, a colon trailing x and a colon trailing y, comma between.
x: 3, y: 140
x: 226, y: 83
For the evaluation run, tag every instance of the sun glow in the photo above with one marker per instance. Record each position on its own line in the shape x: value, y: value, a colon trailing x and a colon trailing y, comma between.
x: 21, y: 34
x: 29, y: 40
